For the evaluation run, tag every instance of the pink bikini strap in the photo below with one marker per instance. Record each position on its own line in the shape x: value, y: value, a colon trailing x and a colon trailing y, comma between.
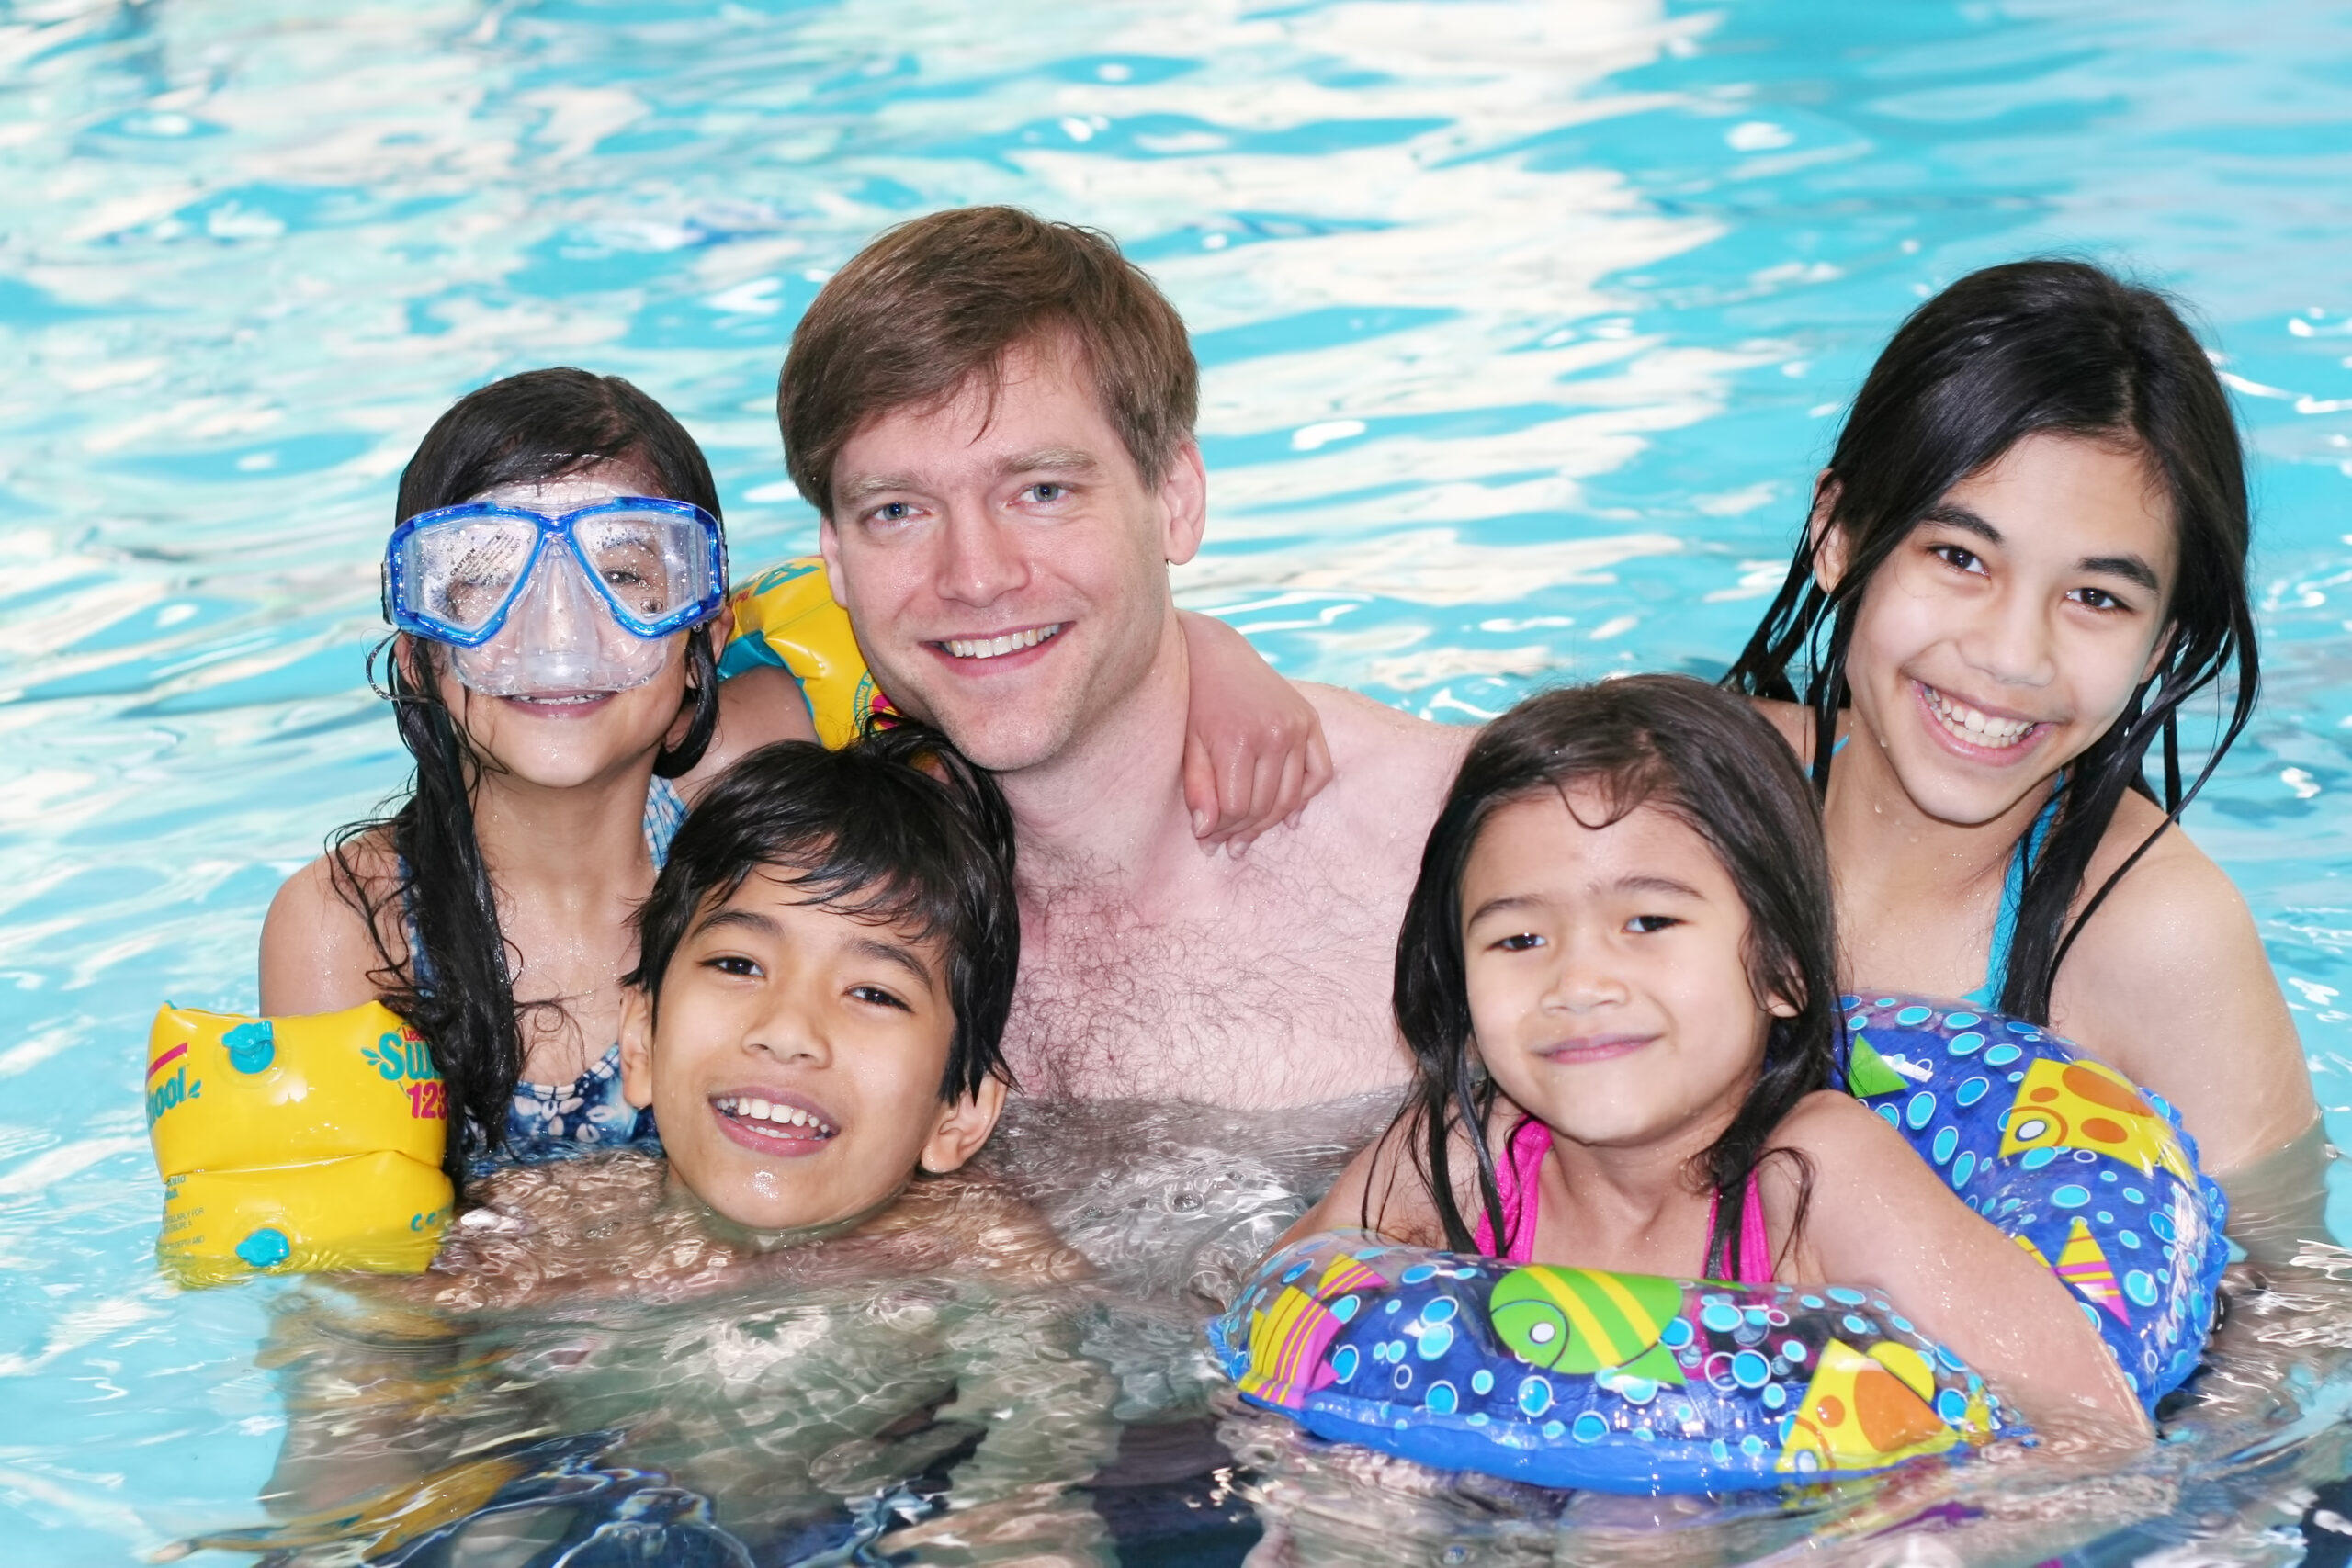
x: 1516, y: 1179
x: 1755, y: 1241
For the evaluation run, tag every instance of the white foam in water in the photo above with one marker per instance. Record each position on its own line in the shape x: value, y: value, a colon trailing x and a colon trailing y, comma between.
x: 1525, y: 326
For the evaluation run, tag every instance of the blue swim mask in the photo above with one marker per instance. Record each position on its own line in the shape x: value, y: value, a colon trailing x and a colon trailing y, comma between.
x: 535, y: 603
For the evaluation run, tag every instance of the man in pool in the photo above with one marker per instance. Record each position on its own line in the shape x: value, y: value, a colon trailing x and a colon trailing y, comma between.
x: 993, y: 414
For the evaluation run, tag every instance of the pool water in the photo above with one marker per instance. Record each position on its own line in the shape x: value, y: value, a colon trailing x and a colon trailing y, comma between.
x: 1525, y: 327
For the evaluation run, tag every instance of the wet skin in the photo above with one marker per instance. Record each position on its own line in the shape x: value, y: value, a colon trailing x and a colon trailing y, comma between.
x: 794, y: 1061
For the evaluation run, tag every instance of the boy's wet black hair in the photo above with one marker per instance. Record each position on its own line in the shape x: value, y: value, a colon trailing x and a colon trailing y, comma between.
x: 897, y: 829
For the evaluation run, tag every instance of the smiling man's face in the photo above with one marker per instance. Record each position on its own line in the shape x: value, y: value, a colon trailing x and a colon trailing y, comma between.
x: 795, y: 1059
x: 1004, y: 561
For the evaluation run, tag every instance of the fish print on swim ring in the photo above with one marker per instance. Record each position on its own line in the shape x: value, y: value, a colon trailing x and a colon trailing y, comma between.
x: 1582, y: 1378
x: 2085, y: 1170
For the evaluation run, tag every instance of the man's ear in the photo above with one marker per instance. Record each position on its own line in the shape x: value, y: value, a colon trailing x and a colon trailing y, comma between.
x: 1184, y: 501
x: 637, y: 1046
x: 963, y: 1127
x: 828, y: 544
x: 1829, y: 540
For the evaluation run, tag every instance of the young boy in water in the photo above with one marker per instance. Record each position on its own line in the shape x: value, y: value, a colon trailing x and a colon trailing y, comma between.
x: 825, y: 965
x: 801, y: 1305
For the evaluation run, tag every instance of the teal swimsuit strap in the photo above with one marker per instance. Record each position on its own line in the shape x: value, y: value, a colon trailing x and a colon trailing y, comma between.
x: 2005, y: 923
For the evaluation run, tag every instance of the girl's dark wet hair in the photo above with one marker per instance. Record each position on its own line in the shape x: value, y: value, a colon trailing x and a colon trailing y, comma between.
x: 455, y: 985
x: 2064, y: 348
x: 897, y: 829
x: 1710, y: 760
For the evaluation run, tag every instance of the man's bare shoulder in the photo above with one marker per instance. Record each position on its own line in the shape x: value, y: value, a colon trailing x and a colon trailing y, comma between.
x: 1382, y: 758
x: 1350, y: 718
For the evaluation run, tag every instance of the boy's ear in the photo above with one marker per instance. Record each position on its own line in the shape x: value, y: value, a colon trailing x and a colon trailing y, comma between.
x: 962, y: 1128
x: 637, y: 1046
x: 1829, y: 539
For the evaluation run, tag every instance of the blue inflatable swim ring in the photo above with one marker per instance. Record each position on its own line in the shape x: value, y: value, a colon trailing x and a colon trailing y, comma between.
x: 1579, y: 1378
x: 1621, y: 1382
x: 2087, y: 1171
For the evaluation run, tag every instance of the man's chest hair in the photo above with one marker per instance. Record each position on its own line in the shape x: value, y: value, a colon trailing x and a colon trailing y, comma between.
x: 1113, y: 1002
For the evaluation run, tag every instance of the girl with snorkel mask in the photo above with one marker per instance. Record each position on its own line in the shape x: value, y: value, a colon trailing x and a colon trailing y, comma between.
x: 557, y: 584
x: 553, y: 584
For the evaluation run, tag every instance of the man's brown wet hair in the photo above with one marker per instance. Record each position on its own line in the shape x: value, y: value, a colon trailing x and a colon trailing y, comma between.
x: 937, y: 303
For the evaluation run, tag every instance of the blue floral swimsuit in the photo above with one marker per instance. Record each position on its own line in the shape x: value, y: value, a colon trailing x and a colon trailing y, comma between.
x: 552, y: 1120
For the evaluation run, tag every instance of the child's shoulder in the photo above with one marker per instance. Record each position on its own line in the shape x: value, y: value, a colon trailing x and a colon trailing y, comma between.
x: 971, y: 1223
x: 1794, y: 720
x: 317, y: 952
x: 2174, y: 943
x: 2172, y: 902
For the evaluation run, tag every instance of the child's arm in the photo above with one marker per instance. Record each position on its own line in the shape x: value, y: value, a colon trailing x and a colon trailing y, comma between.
x: 317, y: 954
x: 1383, y: 1191
x: 1045, y: 1409
x: 754, y: 709
x: 1253, y: 746
x: 1880, y: 1216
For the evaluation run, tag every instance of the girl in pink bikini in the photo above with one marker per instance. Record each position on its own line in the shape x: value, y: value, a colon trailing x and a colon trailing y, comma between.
x: 1617, y: 977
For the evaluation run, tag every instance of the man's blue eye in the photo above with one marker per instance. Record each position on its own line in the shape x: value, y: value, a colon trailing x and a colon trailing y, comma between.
x: 1048, y: 492
x: 892, y: 512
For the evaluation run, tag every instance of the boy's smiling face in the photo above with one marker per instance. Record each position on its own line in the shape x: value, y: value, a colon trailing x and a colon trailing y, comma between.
x: 795, y: 1061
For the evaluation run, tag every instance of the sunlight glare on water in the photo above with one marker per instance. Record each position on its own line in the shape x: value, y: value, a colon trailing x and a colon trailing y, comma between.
x: 1525, y: 327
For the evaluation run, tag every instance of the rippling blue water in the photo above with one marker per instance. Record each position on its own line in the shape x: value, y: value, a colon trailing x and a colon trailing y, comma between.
x: 1525, y: 327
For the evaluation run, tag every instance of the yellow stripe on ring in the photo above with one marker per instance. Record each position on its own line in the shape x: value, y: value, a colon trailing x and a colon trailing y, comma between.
x: 1636, y: 1316
x: 1580, y: 1315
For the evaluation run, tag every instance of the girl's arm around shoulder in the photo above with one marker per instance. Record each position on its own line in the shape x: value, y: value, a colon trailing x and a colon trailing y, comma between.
x: 2169, y: 983
x: 1879, y: 1217
x: 759, y: 705
x: 1254, y: 753
x: 317, y: 954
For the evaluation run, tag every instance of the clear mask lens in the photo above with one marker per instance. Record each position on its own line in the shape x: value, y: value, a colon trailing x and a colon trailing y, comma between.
x: 561, y: 637
x: 465, y: 572
x: 649, y: 564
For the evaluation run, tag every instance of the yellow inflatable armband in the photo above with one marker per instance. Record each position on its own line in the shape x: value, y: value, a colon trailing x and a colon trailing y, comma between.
x: 786, y: 618
x: 288, y: 1145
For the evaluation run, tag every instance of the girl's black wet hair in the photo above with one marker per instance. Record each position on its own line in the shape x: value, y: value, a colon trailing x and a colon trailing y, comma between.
x: 899, y: 830
x: 2064, y: 348
x: 456, y: 987
x: 1709, y: 759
